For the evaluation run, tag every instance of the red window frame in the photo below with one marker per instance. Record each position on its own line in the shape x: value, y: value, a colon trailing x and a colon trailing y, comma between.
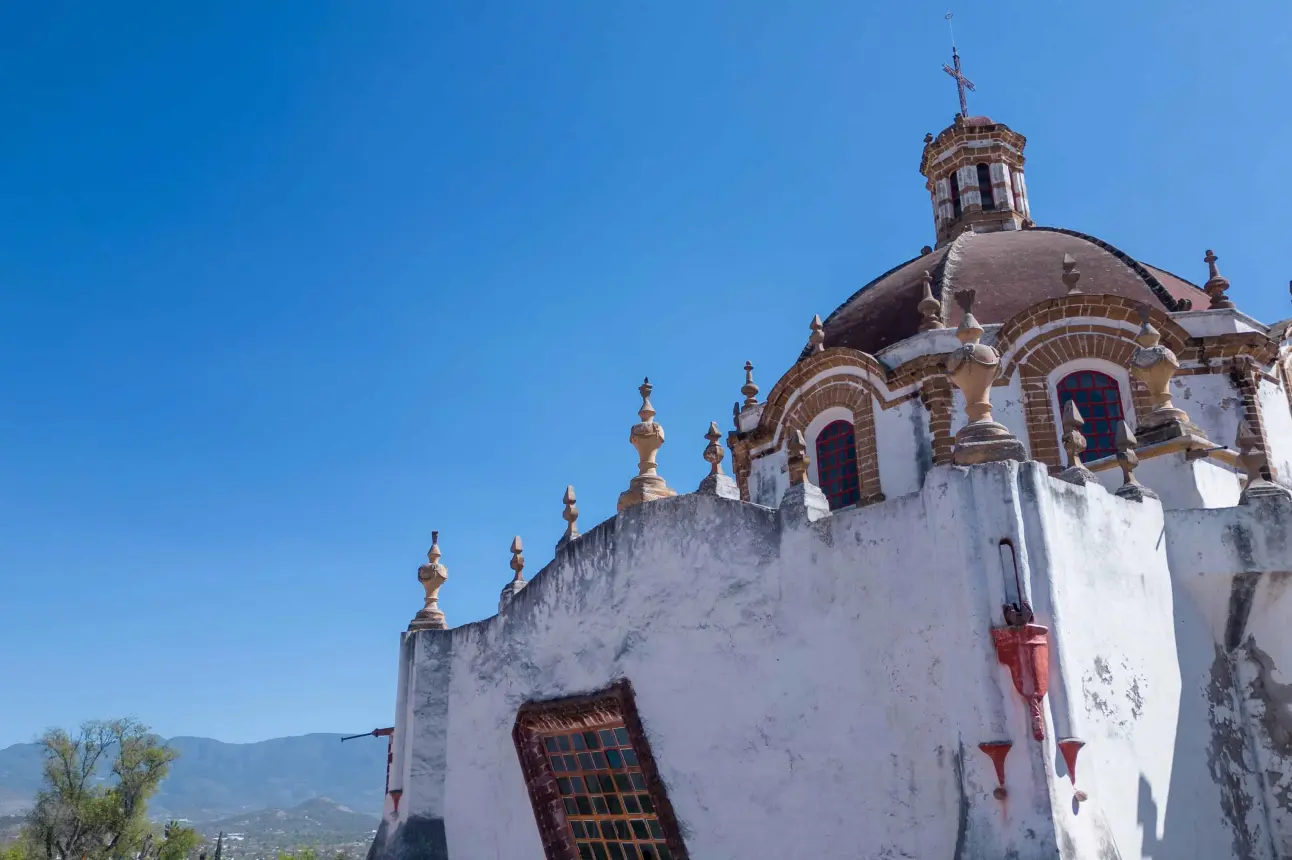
x: 613, y: 710
x: 836, y: 464
x: 1099, y: 398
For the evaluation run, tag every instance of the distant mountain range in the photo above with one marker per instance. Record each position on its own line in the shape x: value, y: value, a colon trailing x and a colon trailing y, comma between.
x: 212, y: 780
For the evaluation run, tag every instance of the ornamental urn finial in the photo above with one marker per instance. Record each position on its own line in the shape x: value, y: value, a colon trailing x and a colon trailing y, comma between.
x: 749, y: 389
x: 929, y: 307
x: 1217, y: 284
x: 1155, y: 365
x: 973, y: 367
x: 1070, y: 275
x: 817, y: 339
x: 431, y: 575
x: 647, y: 437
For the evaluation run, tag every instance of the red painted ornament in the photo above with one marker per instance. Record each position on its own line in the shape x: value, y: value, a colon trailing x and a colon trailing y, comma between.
x: 1025, y: 649
x: 996, y: 751
x: 395, y: 794
x: 1069, y: 749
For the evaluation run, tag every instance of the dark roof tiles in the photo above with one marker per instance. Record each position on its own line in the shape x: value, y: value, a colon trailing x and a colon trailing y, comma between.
x: 1011, y: 271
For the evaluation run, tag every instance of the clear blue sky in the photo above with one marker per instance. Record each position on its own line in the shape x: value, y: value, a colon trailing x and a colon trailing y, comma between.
x: 285, y: 286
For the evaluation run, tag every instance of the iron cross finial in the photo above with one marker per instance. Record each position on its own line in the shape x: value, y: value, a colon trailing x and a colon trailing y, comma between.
x: 962, y: 83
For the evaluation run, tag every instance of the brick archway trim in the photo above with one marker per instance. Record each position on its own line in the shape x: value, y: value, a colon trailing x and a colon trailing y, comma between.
x: 1072, y: 310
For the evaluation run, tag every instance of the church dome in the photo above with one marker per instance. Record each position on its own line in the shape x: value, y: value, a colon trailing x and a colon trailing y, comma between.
x: 1010, y: 271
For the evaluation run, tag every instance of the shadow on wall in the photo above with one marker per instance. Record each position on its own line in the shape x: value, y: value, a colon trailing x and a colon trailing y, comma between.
x: 1147, y: 815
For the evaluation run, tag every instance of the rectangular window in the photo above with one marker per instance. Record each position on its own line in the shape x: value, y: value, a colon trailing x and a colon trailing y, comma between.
x: 592, y: 780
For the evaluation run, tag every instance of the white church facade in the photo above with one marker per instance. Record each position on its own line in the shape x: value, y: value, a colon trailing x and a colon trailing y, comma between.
x: 1003, y: 570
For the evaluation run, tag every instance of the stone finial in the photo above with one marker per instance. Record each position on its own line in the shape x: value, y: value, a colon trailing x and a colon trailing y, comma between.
x: 1256, y: 466
x: 713, y: 452
x: 972, y: 368
x: 517, y: 583
x: 817, y: 338
x: 716, y: 483
x: 749, y: 389
x: 797, y: 458
x: 571, y: 517
x: 1216, y: 284
x: 517, y: 558
x: 1074, y: 443
x: 1070, y: 275
x: 431, y: 575
x: 1155, y: 365
x: 647, y: 437
x: 930, y: 308
x: 803, y: 500
x: 1128, y: 460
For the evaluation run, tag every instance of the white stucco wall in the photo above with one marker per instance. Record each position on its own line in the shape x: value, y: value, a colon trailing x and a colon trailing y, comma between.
x: 1179, y: 482
x: 1278, y: 429
x: 820, y: 690
x: 1116, y: 681
x: 1234, y: 566
x: 1008, y: 408
x: 904, y: 447
x: 1212, y: 403
x: 768, y: 479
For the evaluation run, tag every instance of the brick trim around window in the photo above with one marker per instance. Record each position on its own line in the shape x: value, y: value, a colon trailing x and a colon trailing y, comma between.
x: 538, y: 720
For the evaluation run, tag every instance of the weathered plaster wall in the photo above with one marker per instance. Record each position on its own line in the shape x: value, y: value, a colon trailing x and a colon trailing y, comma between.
x: 1234, y: 566
x: 1278, y: 429
x: 1008, y: 408
x: 1116, y: 683
x: 905, y: 447
x: 820, y: 690
x: 768, y: 479
x: 1181, y: 483
x: 1211, y: 403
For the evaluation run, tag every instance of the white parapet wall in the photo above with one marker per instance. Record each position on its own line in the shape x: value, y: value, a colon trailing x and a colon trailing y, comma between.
x: 822, y: 689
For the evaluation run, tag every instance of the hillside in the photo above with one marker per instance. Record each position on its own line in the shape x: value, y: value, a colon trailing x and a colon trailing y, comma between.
x: 318, y: 822
x: 213, y: 780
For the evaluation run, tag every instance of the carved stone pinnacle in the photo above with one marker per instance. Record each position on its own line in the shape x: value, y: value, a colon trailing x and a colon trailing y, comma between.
x: 571, y: 517
x: 929, y: 307
x: 749, y: 389
x: 1128, y: 460
x: 1074, y: 443
x: 1256, y: 466
x: 797, y: 459
x: 817, y: 338
x: 517, y: 558
x: 713, y: 452
x: 1070, y: 275
x: 1216, y: 284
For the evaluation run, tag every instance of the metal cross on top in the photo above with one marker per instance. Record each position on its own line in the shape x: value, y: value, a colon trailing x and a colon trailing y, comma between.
x: 962, y: 83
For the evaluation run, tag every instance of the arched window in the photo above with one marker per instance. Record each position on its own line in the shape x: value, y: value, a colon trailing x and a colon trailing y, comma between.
x: 1099, y: 399
x: 984, y: 188
x: 955, y: 193
x: 836, y: 464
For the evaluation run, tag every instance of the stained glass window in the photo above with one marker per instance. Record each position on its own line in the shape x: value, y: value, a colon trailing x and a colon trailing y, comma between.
x: 1099, y: 399
x: 836, y: 464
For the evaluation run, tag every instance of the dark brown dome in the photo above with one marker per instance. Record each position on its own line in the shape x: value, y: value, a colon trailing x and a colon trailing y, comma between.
x: 1011, y: 271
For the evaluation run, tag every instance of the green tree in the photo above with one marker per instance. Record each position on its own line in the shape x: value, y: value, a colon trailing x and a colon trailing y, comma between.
x: 94, y: 802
